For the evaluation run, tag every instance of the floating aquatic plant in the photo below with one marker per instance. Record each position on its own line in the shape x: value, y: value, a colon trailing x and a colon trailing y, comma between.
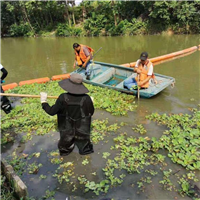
x: 31, y: 118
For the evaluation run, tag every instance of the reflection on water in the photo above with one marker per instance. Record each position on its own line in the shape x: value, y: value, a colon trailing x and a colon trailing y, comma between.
x: 63, y: 67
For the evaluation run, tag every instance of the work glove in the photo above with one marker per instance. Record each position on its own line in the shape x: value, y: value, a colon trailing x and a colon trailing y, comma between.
x: 43, y: 97
x: 2, y: 81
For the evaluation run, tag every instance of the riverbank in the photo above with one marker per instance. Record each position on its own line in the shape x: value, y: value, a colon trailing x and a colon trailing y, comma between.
x: 58, y: 33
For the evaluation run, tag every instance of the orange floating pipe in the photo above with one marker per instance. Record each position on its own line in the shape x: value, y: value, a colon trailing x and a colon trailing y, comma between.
x: 38, y: 80
x: 9, y: 86
x: 60, y: 77
x: 171, y: 55
x: 167, y: 56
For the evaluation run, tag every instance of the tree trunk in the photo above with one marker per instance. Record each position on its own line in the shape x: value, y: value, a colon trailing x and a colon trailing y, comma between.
x: 67, y: 13
x: 83, y: 12
x: 115, y: 16
x: 73, y: 17
x: 27, y: 19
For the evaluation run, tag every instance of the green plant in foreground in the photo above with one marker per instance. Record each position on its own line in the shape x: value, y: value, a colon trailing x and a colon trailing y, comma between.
x: 42, y: 176
x: 105, y: 154
x: 140, y: 129
x: 34, y: 168
x: 85, y: 162
x: 24, y: 118
x: 182, y: 138
x: 103, y: 186
x: 49, y: 194
x: 64, y: 172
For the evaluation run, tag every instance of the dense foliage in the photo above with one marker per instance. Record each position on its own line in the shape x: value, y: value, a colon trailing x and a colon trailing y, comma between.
x: 96, y: 18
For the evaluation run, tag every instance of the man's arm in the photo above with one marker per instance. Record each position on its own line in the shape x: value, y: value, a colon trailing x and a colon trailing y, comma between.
x: 150, y: 72
x: 52, y: 110
x: 91, y: 107
x: 87, y: 60
x: 140, y: 83
x: 136, y: 67
x: 87, y: 54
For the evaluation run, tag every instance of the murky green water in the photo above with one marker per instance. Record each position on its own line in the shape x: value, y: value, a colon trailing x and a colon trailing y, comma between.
x: 29, y: 58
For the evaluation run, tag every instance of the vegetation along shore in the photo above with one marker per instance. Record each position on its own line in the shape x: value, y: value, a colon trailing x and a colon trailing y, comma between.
x: 98, y: 18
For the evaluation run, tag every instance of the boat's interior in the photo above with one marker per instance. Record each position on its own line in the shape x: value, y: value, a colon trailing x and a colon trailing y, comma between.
x: 112, y: 77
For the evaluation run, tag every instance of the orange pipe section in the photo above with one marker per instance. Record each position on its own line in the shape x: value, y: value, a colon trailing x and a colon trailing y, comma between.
x: 165, y: 57
x: 38, y: 80
x: 9, y: 86
x: 60, y: 77
x: 162, y: 61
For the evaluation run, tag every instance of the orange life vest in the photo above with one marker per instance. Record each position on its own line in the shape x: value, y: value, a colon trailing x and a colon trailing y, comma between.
x: 81, y: 57
x: 143, y: 75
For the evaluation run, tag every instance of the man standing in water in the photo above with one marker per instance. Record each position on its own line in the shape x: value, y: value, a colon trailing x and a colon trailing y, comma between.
x: 144, y: 68
x: 5, y: 103
x: 74, y: 111
x: 83, y: 57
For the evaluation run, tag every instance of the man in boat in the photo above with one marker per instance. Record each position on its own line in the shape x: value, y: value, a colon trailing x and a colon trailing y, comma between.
x: 144, y: 70
x: 5, y: 103
x: 83, y: 57
x: 74, y: 110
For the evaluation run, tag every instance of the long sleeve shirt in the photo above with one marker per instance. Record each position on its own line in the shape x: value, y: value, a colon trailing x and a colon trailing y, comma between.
x: 60, y: 108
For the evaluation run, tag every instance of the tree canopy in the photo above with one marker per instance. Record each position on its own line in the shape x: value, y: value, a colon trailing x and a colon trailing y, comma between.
x: 97, y: 18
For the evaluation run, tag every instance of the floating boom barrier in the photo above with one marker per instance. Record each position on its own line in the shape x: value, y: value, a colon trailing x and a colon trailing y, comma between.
x: 167, y: 57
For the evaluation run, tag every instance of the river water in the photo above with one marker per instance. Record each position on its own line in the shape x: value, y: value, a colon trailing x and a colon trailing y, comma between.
x: 29, y: 58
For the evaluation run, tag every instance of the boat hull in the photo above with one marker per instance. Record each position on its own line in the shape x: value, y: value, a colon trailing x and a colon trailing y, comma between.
x: 113, y: 76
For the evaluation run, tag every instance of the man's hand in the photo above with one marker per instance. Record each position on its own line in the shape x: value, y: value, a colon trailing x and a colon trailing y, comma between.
x: 155, y: 81
x: 2, y: 81
x: 74, y: 66
x: 84, y: 65
x: 43, y: 97
x: 139, y: 83
x: 138, y: 71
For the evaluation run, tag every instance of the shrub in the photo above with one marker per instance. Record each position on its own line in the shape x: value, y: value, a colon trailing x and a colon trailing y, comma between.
x: 94, y: 25
x: 23, y: 29
x: 63, y: 30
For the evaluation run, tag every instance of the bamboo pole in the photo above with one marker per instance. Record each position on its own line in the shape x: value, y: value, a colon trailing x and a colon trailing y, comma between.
x: 138, y: 89
x: 26, y: 95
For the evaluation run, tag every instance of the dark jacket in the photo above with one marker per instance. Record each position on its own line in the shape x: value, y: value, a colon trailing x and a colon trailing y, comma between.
x: 60, y: 108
